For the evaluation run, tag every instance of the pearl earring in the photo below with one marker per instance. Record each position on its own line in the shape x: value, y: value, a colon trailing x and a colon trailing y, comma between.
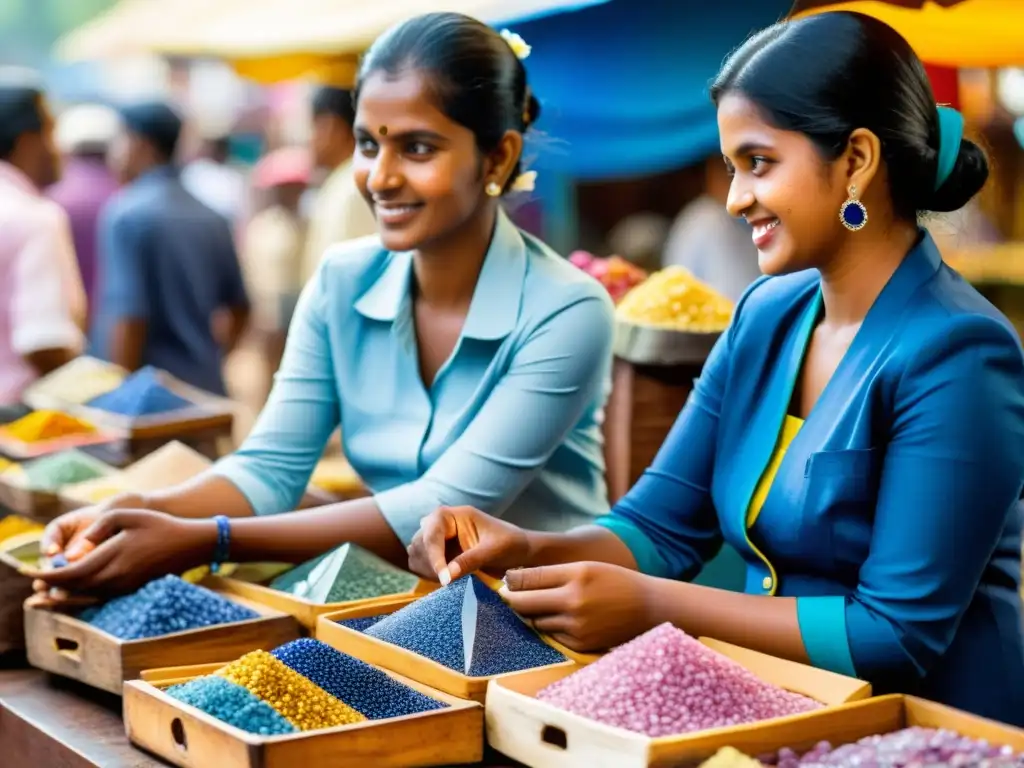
x: 853, y: 214
x: 493, y: 189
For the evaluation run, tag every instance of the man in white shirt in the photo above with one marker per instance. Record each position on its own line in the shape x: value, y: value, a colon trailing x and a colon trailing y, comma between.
x: 340, y: 212
x: 42, y: 300
x: 212, y: 180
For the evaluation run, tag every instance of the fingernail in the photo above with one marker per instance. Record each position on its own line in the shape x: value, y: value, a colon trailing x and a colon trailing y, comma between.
x: 53, y: 549
x: 503, y: 590
x: 444, y: 577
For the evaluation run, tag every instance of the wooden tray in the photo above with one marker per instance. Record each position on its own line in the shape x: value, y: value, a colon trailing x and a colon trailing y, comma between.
x: 60, y: 643
x: 188, y: 737
x: 306, y: 612
x: 42, y: 506
x: 853, y: 722
x: 414, y: 666
x: 14, y: 590
x: 539, y: 735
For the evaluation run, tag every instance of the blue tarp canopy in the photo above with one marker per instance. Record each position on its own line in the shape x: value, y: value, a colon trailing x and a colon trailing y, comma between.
x: 623, y: 85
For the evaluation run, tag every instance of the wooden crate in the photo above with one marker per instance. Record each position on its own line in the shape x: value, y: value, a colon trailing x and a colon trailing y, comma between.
x: 850, y: 723
x: 412, y: 665
x: 540, y: 735
x: 306, y: 612
x: 60, y: 643
x: 42, y: 506
x: 14, y: 590
x: 188, y: 737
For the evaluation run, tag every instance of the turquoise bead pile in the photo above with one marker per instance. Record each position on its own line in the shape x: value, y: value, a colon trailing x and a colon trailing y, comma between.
x: 231, y: 704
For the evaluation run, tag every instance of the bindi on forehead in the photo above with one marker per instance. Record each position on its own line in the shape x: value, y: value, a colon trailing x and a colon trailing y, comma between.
x: 383, y: 130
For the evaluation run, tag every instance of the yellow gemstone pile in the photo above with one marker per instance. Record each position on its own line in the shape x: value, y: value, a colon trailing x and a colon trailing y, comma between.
x: 673, y: 298
x: 303, y: 703
x: 728, y: 757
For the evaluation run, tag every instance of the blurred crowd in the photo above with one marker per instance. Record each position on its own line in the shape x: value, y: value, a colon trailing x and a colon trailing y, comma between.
x: 113, y: 243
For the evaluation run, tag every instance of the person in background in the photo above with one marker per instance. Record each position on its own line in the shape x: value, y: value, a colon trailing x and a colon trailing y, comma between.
x: 339, y: 213
x: 711, y: 243
x: 212, y: 180
x: 167, y: 263
x: 83, y: 136
x: 42, y: 301
x: 465, y: 359
x: 273, y: 245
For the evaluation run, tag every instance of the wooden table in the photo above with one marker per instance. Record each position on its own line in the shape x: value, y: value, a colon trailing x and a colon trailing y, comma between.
x: 49, y: 722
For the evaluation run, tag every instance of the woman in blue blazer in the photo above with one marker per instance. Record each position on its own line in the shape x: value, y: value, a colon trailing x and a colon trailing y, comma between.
x: 857, y: 433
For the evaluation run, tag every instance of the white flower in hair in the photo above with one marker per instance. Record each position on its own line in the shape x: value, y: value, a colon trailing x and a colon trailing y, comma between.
x: 525, y: 182
x: 519, y: 46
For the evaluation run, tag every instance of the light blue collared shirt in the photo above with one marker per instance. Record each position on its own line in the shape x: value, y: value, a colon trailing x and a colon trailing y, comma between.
x: 511, y: 425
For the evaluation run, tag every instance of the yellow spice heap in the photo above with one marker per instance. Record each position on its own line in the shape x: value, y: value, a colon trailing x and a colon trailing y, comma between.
x: 673, y: 298
x: 303, y: 703
x: 12, y: 526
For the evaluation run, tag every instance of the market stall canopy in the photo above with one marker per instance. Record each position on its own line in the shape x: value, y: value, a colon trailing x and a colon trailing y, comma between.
x: 274, y: 30
x: 958, y: 33
x: 141, y: 26
x: 646, y: 65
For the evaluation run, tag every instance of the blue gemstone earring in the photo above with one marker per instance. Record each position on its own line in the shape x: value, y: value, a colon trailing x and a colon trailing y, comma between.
x: 853, y: 214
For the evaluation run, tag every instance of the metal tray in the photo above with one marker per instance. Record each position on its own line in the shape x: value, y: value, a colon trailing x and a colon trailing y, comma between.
x: 650, y: 345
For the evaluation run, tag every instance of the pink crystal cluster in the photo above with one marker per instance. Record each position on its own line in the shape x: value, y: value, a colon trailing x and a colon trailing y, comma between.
x: 910, y: 747
x: 665, y: 682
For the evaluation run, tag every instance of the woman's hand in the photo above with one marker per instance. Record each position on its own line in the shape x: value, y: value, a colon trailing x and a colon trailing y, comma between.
x: 65, y: 534
x: 454, y: 541
x: 131, y: 548
x: 585, y: 606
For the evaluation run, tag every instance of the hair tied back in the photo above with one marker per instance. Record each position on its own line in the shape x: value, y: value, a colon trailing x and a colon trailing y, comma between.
x: 951, y: 133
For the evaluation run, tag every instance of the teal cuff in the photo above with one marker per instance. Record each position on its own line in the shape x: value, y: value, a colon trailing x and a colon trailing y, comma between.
x: 822, y: 622
x: 648, y: 559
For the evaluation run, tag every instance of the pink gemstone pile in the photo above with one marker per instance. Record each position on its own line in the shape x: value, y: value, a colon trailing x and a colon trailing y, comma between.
x: 665, y: 683
x: 915, y: 747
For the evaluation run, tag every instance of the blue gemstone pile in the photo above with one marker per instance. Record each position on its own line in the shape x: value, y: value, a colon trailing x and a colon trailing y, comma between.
x: 364, y: 688
x: 361, y: 625
x: 141, y: 394
x: 163, y: 606
x: 503, y: 641
x: 231, y: 704
x: 432, y: 627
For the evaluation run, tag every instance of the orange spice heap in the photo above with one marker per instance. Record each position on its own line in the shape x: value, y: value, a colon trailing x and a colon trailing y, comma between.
x: 47, y: 425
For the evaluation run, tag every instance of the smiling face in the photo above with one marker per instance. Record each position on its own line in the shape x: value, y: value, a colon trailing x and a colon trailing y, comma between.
x: 783, y: 187
x: 421, y: 172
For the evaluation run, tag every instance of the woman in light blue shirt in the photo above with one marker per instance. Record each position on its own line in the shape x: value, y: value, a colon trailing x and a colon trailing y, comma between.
x: 465, y: 361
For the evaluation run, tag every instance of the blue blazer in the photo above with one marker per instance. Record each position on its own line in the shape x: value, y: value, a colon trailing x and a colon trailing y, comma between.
x: 895, y: 517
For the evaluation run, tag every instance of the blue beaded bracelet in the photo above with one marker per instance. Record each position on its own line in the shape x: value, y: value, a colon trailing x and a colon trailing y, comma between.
x: 223, y: 548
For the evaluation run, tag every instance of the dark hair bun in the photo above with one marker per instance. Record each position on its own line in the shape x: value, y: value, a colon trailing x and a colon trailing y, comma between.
x: 965, y: 181
x: 532, y: 112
